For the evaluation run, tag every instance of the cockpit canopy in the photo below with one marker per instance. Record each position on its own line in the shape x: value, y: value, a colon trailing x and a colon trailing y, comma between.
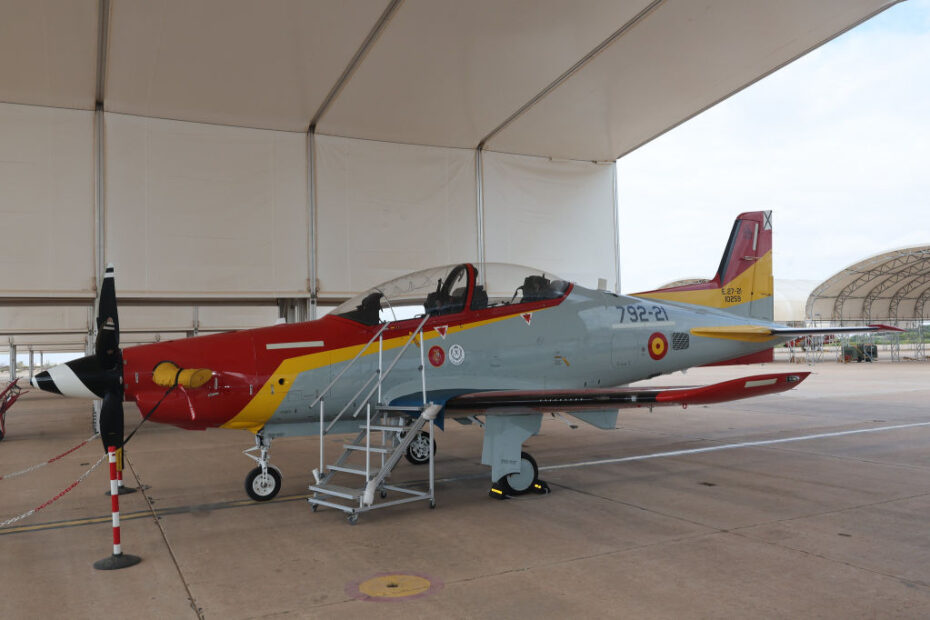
x: 447, y: 290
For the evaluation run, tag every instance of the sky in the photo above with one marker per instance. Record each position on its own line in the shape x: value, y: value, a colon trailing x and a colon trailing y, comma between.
x: 836, y: 144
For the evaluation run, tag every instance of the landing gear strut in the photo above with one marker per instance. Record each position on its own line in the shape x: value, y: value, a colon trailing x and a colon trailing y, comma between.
x: 263, y: 482
x: 518, y: 483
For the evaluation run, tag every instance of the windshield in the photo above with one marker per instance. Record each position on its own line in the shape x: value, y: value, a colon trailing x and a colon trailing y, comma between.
x: 445, y: 290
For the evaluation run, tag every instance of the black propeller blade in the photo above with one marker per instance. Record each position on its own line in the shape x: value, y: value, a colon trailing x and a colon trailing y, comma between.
x: 111, y: 418
x: 110, y: 359
x: 106, y: 346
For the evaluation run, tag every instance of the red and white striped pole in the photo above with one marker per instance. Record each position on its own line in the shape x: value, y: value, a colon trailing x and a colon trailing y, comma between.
x: 118, y: 559
x: 123, y: 490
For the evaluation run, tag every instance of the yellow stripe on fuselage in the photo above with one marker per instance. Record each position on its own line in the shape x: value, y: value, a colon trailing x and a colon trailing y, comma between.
x: 719, y: 297
x: 259, y: 410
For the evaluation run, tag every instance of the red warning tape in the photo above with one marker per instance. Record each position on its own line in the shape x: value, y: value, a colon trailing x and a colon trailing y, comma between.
x: 54, y: 499
x: 51, y: 460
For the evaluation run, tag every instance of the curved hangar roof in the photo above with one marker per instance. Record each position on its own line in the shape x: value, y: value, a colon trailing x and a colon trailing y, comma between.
x: 890, y: 286
x: 585, y: 80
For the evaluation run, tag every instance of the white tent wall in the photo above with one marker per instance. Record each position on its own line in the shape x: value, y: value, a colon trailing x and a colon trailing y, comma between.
x: 47, y: 200
x: 178, y: 320
x: 556, y: 215
x: 226, y: 317
x: 27, y: 320
x: 385, y: 209
x: 198, y: 209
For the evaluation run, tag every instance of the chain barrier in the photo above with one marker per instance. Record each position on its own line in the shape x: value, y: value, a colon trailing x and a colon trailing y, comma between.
x: 29, y: 513
x: 51, y: 460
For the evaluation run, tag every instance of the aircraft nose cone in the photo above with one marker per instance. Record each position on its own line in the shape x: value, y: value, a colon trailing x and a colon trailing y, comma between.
x: 43, y: 381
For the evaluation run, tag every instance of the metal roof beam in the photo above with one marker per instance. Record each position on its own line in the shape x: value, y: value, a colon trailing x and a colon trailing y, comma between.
x: 356, y: 60
x: 905, y: 291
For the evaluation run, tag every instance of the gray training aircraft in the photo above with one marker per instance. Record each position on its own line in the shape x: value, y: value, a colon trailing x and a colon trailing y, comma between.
x: 495, y: 344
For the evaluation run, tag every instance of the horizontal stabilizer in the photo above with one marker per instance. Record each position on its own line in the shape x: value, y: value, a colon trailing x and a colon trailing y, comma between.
x: 744, y: 333
x: 760, y: 333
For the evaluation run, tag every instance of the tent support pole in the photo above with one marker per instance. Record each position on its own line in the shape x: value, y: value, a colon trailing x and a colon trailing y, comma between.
x: 479, y: 207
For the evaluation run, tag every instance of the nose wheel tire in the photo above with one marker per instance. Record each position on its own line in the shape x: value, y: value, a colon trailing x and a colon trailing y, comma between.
x: 418, y: 450
x: 263, y: 487
x: 522, y: 481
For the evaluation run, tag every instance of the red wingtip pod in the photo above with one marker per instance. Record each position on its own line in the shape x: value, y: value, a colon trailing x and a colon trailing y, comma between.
x: 735, y: 389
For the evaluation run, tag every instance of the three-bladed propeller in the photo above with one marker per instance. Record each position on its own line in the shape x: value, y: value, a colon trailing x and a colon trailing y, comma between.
x: 101, y: 375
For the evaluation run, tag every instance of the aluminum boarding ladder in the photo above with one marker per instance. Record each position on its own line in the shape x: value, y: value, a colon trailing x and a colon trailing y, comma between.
x: 370, y: 490
x: 397, y: 433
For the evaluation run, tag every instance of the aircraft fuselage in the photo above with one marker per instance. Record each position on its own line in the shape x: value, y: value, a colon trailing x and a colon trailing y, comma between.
x: 269, y: 377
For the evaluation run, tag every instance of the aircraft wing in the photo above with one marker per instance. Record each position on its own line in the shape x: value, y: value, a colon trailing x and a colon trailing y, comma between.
x: 611, y: 399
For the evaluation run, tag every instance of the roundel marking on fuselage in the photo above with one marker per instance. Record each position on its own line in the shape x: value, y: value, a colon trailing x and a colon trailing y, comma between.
x: 658, y: 346
x: 436, y: 356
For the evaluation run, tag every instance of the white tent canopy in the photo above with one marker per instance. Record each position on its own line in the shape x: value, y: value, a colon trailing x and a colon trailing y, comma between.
x: 237, y: 151
x: 588, y: 79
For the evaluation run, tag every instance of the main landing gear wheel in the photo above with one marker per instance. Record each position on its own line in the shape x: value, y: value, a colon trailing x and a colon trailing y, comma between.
x: 418, y: 450
x: 263, y: 487
x: 522, y: 481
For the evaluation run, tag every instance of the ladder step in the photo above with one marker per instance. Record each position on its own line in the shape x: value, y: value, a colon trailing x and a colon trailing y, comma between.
x: 377, y: 449
x: 399, y: 408
x: 322, y: 502
x: 337, y: 490
x: 347, y: 470
x: 388, y: 429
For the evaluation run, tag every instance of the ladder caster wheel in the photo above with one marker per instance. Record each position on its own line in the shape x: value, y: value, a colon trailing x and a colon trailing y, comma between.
x: 432, y: 504
x: 353, y: 518
x: 314, y: 507
x: 383, y: 493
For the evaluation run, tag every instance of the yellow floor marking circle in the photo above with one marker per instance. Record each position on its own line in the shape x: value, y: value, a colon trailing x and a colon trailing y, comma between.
x: 394, y: 586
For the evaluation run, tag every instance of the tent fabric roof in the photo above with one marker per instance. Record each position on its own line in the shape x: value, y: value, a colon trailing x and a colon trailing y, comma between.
x: 891, y: 286
x: 586, y: 80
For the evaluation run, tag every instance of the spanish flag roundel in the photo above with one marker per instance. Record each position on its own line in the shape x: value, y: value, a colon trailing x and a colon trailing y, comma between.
x: 658, y: 346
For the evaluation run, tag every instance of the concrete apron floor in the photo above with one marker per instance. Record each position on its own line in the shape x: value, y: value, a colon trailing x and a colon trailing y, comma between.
x: 828, y: 527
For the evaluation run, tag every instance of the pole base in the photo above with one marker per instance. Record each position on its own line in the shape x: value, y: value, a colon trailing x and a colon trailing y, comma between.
x: 123, y: 491
x: 123, y: 560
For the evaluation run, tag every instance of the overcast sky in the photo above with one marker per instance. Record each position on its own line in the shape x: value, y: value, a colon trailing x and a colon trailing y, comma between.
x: 837, y: 144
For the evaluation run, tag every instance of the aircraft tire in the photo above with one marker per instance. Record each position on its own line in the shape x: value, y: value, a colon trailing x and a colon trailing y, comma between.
x: 522, y: 481
x: 417, y: 452
x: 263, y: 490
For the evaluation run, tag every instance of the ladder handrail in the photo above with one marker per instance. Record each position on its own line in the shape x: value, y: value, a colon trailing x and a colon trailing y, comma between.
x: 380, y: 375
x: 349, y: 365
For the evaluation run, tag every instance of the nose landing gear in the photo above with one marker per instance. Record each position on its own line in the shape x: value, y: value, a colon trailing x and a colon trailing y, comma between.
x: 264, y: 481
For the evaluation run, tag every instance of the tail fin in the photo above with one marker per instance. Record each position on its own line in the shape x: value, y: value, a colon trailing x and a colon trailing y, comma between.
x: 743, y: 284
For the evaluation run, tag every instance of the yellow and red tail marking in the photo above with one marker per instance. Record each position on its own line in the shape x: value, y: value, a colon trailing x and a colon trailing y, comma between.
x: 745, y: 273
